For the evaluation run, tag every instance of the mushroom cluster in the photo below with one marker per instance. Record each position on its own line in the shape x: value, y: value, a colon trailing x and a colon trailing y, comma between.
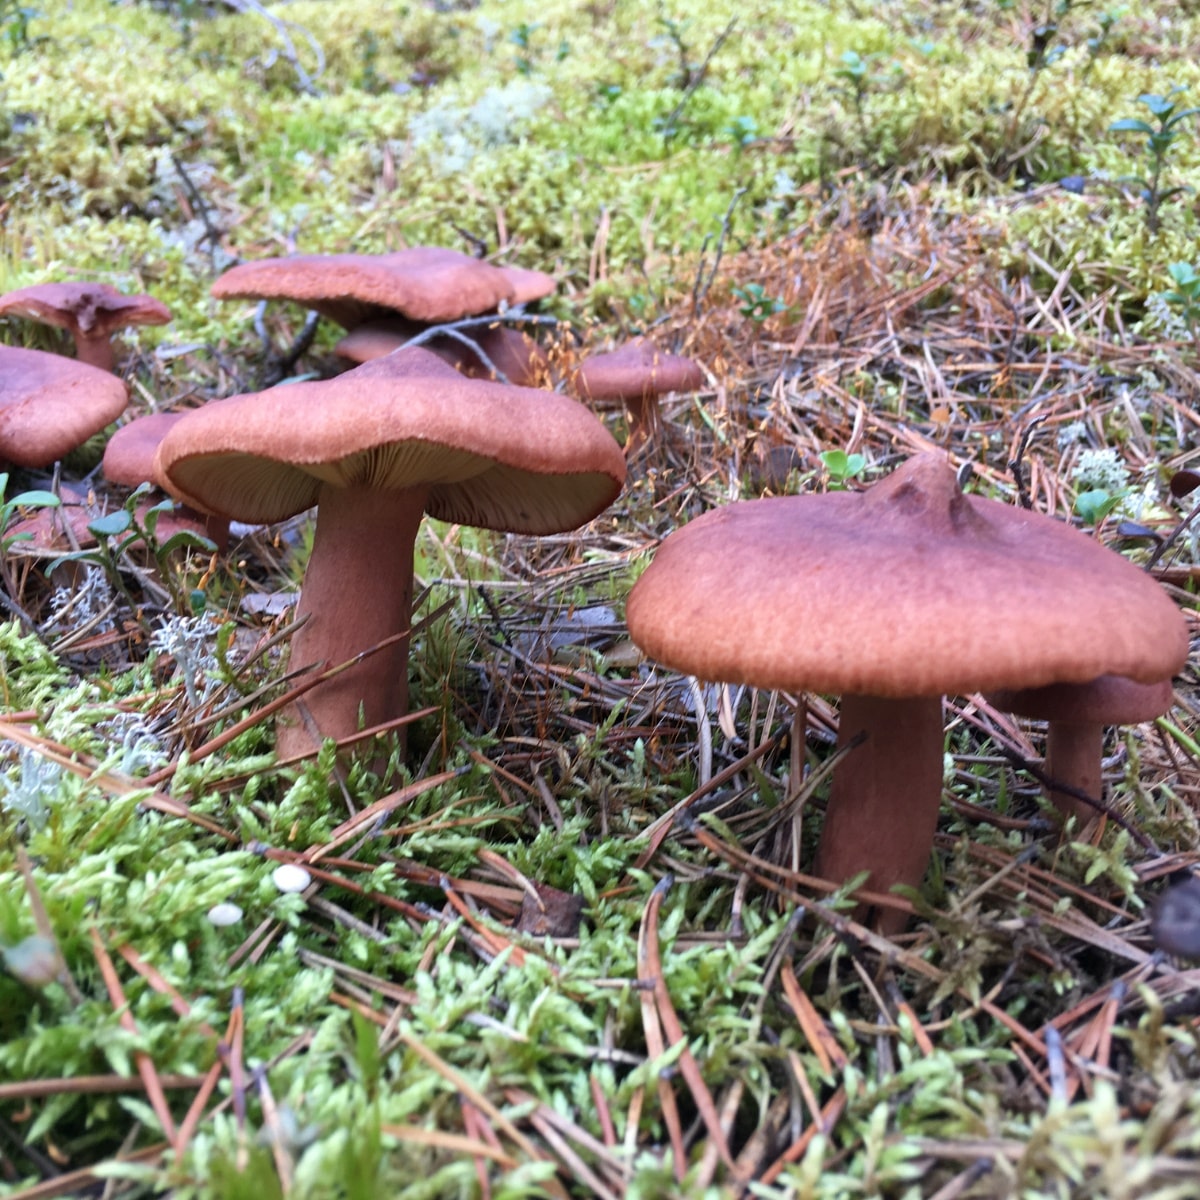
x: 894, y: 597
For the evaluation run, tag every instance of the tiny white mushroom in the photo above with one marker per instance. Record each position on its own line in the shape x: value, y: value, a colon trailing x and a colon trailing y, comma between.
x: 291, y: 878
x: 224, y: 914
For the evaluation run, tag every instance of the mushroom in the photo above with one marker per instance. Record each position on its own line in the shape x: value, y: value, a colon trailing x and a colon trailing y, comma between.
x: 636, y: 374
x: 129, y: 459
x: 517, y: 356
x: 430, y: 284
x: 894, y: 597
x: 90, y: 312
x: 1077, y: 714
x: 375, y: 449
x: 50, y: 404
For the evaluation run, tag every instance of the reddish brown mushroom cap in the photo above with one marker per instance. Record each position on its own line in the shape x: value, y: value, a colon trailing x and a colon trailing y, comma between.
x: 130, y: 458
x: 528, y: 285
x: 519, y: 357
x: 907, y: 589
x: 1109, y: 700
x: 425, y: 283
x: 50, y: 404
x: 636, y: 370
x: 130, y: 453
x: 518, y: 459
x: 90, y: 312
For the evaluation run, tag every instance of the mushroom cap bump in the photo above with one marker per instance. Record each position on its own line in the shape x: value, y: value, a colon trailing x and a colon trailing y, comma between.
x: 50, y: 404
x: 91, y: 312
x: 893, y: 597
x: 424, y: 283
x: 907, y: 589
x: 375, y: 448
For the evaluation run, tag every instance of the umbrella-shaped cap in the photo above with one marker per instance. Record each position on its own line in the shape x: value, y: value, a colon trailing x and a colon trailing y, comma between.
x: 908, y: 589
x: 492, y: 455
x: 1109, y: 700
x: 424, y: 283
x: 50, y: 404
x: 638, y: 369
x: 89, y: 310
x: 129, y: 455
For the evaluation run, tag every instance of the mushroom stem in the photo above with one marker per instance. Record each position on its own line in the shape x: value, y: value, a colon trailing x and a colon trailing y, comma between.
x: 357, y: 592
x: 95, y: 351
x: 884, y: 802
x: 1074, y: 750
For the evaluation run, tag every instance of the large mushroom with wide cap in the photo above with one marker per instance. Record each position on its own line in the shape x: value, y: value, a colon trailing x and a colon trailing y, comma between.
x: 893, y: 597
x: 90, y: 312
x: 374, y: 450
x: 50, y: 404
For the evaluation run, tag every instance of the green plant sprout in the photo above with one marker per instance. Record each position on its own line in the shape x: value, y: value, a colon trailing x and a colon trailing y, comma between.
x: 29, y: 499
x: 1159, y: 140
x: 757, y: 304
x: 1096, y: 504
x: 842, y: 467
x: 1185, y: 295
x: 117, y: 532
x: 1097, y: 42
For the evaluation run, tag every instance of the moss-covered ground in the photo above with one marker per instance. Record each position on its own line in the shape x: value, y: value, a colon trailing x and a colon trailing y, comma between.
x: 880, y: 228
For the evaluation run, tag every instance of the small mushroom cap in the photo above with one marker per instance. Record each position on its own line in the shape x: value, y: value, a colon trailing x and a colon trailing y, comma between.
x: 1109, y: 700
x: 491, y: 455
x: 129, y: 455
x: 907, y: 589
x: 519, y: 357
x: 637, y: 370
x: 425, y: 283
x: 528, y: 285
x: 89, y: 310
x: 50, y: 404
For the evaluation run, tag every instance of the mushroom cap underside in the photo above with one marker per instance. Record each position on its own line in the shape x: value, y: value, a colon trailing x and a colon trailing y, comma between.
x: 516, y: 459
x: 88, y: 309
x: 899, y: 591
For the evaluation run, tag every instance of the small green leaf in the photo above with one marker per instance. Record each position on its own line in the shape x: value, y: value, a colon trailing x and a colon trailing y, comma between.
x: 111, y: 524
x: 1131, y: 125
x: 35, y: 499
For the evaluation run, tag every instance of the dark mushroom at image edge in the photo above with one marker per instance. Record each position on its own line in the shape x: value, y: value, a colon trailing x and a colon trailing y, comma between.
x: 90, y: 312
x: 1077, y: 714
x: 894, y: 597
x: 636, y: 374
x: 49, y: 405
x: 374, y: 450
